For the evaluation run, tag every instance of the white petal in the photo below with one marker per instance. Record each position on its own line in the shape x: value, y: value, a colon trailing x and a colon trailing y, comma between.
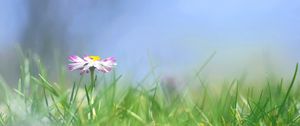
x: 86, y: 58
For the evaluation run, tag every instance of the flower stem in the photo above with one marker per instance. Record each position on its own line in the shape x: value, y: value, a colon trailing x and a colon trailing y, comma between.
x: 92, y: 79
x: 91, y: 90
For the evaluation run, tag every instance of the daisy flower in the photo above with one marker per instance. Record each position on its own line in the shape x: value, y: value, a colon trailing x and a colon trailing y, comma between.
x: 88, y: 63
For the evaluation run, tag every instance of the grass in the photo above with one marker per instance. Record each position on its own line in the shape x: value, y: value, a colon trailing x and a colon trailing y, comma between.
x: 39, y: 101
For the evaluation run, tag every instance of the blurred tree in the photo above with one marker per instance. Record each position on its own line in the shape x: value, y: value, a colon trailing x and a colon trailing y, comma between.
x: 48, y: 22
x: 46, y: 27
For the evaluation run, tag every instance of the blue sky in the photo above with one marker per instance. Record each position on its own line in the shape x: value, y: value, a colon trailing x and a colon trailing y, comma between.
x: 177, y: 34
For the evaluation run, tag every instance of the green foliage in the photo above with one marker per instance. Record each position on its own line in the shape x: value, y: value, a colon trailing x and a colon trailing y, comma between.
x: 39, y: 101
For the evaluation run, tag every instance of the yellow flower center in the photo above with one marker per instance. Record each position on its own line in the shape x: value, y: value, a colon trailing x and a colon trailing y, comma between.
x: 95, y: 58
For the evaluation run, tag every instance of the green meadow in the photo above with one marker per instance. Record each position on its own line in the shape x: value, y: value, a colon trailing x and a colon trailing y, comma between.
x: 39, y: 100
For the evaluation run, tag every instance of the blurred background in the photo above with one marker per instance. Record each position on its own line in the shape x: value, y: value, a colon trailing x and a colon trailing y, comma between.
x: 174, y: 37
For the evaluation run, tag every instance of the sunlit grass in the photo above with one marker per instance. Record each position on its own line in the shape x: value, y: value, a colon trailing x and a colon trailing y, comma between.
x: 37, y: 100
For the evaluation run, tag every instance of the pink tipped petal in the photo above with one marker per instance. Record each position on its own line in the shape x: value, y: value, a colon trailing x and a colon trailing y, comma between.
x: 103, y: 69
x: 107, y: 69
x: 109, y: 59
x: 72, y: 58
x: 75, y: 66
x: 75, y: 59
x: 106, y: 65
x: 71, y: 67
